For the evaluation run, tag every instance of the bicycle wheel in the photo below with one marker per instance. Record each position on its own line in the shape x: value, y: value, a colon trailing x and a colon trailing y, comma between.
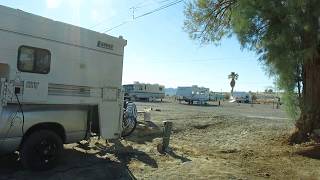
x: 128, y: 126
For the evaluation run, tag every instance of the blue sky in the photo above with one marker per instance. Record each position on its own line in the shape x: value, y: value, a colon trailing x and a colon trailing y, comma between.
x: 158, y: 50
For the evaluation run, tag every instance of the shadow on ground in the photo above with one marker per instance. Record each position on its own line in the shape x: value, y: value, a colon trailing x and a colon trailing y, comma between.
x: 125, y: 153
x: 77, y: 164
x: 176, y: 156
x: 145, y: 132
x: 311, y: 152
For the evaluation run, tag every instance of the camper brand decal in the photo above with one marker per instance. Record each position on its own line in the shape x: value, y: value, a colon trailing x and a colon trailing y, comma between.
x: 105, y: 45
x: 32, y: 84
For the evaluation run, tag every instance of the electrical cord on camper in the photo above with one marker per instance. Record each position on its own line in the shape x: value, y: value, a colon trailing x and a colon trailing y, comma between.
x: 15, y: 114
x: 11, y: 119
x: 21, y: 110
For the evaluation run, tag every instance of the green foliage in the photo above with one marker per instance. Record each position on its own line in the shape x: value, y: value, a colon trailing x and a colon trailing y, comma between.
x: 233, y: 75
x: 291, y: 103
x: 284, y: 33
x: 253, y: 97
x: 227, y: 96
x: 202, y: 23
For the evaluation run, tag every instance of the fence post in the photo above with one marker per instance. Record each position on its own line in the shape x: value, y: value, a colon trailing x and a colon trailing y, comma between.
x: 146, y: 116
x: 162, y: 148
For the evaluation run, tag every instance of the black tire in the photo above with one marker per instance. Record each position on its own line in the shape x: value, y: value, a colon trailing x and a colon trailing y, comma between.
x: 41, y: 150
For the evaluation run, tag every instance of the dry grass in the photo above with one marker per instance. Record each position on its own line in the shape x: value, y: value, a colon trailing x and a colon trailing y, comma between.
x: 208, y: 142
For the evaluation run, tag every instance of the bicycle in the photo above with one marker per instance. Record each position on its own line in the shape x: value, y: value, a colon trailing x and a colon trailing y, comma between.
x: 129, y: 121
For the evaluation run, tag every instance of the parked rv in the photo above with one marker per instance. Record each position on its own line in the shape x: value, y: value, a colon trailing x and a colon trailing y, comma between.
x: 59, y: 84
x: 141, y: 91
x: 242, y: 97
x: 193, y: 94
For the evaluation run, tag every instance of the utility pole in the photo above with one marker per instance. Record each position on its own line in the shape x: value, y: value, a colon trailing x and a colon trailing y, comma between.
x: 133, y: 9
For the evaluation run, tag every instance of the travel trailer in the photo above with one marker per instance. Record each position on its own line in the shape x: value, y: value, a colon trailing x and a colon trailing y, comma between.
x: 59, y: 84
x: 193, y: 94
x: 241, y: 97
x: 142, y: 91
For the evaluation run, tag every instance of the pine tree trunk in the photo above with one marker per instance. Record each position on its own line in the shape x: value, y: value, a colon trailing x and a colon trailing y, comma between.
x: 310, y: 115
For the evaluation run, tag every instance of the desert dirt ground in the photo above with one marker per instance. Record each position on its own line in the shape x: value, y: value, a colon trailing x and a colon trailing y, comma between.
x: 208, y: 142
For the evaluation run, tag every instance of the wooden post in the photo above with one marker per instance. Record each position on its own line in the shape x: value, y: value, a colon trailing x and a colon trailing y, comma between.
x: 166, y: 134
x: 162, y: 148
x: 273, y: 104
x: 278, y: 103
x: 147, y: 116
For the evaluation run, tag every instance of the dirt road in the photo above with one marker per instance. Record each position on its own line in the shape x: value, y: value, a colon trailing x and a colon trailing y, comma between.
x: 208, y: 142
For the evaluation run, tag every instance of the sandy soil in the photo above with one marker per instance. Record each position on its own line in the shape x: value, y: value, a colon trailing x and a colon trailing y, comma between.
x: 208, y: 142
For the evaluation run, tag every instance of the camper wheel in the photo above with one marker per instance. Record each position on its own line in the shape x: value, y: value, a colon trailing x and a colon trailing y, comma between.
x: 41, y: 150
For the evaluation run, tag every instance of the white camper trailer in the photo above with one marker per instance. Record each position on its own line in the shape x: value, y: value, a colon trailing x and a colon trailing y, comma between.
x: 59, y: 83
x: 142, y: 91
x: 193, y: 94
x: 241, y: 97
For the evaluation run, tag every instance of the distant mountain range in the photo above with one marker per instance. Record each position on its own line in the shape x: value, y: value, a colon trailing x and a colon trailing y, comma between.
x: 170, y: 91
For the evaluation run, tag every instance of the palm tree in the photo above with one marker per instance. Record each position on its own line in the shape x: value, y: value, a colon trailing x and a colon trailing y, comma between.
x: 233, y: 76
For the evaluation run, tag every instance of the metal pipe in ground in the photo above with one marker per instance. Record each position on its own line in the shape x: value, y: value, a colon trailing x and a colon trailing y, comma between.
x: 163, y: 147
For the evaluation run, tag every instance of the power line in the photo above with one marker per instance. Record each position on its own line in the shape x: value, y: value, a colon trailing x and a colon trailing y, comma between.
x: 159, y: 9
x: 123, y: 23
x: 163, y: 1
x: 101, y: 22
x: 141, y: 4
x: 145, y: 5
x: 145, y: 14
x: 150, y: 3
x: 104, y: 20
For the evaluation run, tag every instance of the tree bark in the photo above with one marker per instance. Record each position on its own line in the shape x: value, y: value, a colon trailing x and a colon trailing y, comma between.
x: 310, y: 113
x: 299, y: 82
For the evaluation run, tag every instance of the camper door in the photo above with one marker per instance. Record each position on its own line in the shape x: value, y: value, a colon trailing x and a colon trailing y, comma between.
x: 34, y: 65
x: 110, y: 112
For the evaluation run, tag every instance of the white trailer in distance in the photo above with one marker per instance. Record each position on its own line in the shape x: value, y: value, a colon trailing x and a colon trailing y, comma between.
x: 193, y: 94
x: 143, y: 91
x: 241, y: 97
x: 59, y: 84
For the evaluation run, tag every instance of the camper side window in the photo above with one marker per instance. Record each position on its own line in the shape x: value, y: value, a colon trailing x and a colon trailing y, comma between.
x: 34, y: 60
